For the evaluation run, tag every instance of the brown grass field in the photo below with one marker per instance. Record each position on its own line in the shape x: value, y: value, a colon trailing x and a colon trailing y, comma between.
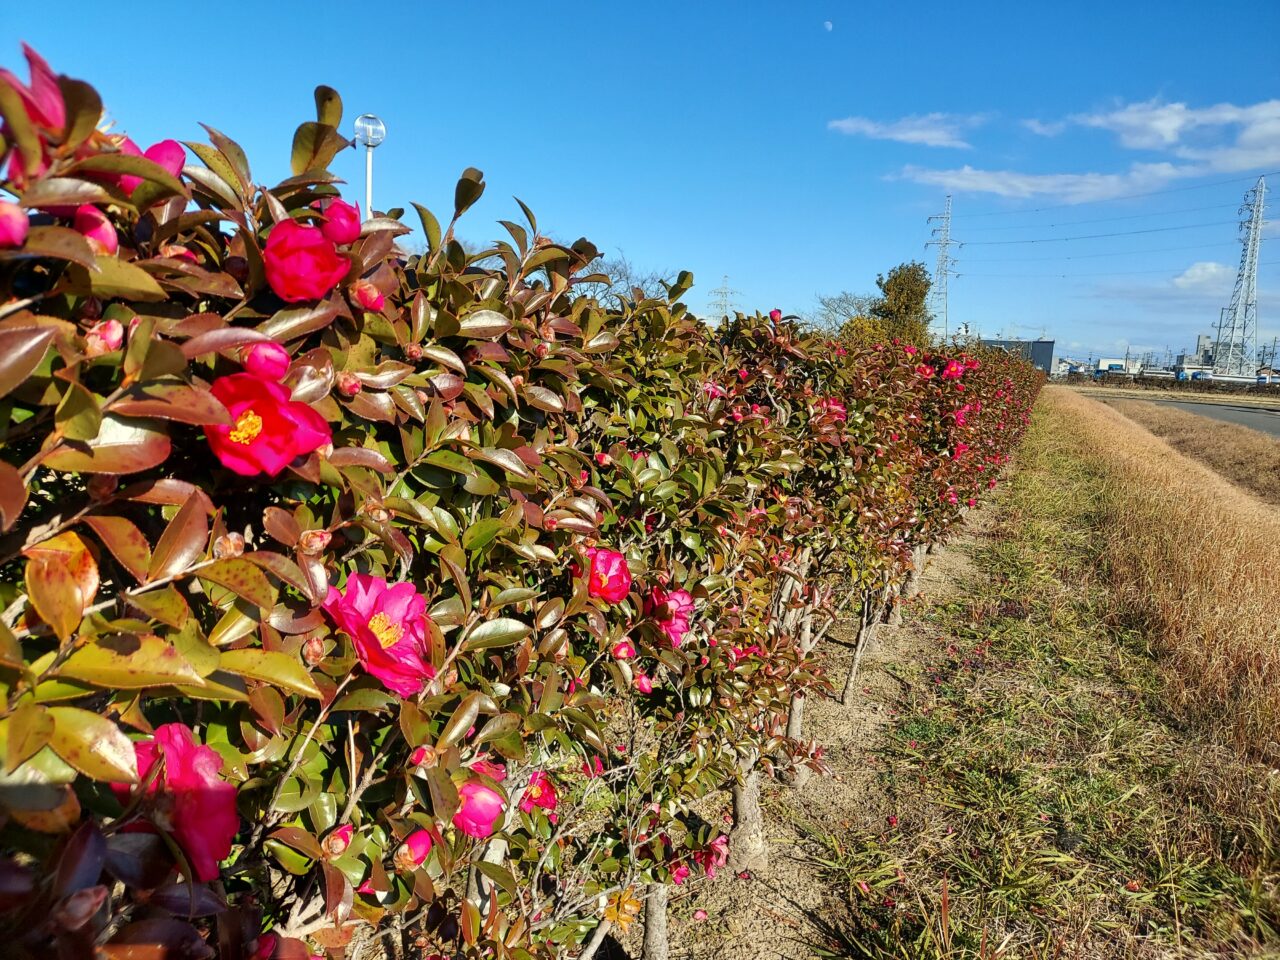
x: 1194, y: 560
x: 1247, y: 457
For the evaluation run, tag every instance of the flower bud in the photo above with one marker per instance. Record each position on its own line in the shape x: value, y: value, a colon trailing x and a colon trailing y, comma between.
x: 336, y: 843
x: 541, y: 350
x: 93, y: 225
x: 103, y: 337
x: 414, y: 850
x: 13, y: 225
x: 176, y: 251
x: 413, y: 351
x: 368, y: 296
x: 348, y: 384
x: 313, y: 542
x: 266, y: 360
x: 313, y: 651
x: 424, y: 756
x: 228, y: 545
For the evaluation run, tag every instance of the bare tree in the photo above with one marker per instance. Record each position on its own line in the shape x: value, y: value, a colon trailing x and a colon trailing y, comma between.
x: 624, y: 279
x: 835, y: 311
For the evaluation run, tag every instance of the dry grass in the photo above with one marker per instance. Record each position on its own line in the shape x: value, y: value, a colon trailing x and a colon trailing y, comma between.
x: 1193, y: 559
x: 1247, y: 457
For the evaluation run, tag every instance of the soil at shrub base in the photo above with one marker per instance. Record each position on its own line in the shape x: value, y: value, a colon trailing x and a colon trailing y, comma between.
x: 788, y: 910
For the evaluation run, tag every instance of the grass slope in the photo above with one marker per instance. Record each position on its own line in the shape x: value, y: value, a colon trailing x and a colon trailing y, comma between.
x: 1048, y: 802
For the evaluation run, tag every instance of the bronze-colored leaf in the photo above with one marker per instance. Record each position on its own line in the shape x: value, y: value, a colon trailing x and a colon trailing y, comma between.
x: 122, y: 445
x: 126, y: 542
x: 172, y: 401
x: 13, y: 496
x: 242, y: 578
x: 129, y: 662
x: 93, y: 745
x: 62, y: 580
x: 182, y: 542
x: 21, y: 350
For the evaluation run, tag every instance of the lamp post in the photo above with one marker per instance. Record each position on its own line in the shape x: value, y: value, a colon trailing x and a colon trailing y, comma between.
x: 370, y: 131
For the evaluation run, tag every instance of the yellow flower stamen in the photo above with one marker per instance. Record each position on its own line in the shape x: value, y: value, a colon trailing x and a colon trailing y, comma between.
x: 248, y: 426
x: 388, y: 633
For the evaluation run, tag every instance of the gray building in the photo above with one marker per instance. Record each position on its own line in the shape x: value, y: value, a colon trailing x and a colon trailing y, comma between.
x: 1039, y: 352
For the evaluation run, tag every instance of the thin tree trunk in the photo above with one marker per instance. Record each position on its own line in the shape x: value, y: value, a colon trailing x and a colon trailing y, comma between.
x: 866, y: 634
x: 748, y: 846
x: 597, y: 938
x: 655, y: 923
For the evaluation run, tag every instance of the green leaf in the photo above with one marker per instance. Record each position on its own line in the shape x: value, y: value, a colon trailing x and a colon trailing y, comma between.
x: 182, y: 542
x: 59, y: 243
x: 314, y: 146
x: 120, y: 163
x: 21, y: 131
x: 93, y: 745
x: 467, y: 192
x: 499, y: 632
x: 244, y: 579
x: 21, y: 350
x: 481, y: 533
x: 270, y: 666
x: 78, y: 415
x: 430, y: 227
x: 123, y: 445
x: 29, y: 730
x: 329, y: 107
x: 129, y: 662
x: 120, y: 278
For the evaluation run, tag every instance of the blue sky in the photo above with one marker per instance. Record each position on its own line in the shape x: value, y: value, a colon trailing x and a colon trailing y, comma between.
x: 797, y: 147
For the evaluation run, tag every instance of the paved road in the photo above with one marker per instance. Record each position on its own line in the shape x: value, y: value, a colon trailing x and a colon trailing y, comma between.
x: 1268, y: 421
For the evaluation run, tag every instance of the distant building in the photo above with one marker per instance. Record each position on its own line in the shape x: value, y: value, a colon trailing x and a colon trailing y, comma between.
x: 1199, y: 361
x: 1039, y: 352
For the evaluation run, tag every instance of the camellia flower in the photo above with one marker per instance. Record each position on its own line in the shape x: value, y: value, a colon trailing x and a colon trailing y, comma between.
x: 341, y: 220
x: 713, y: 857
x: 541, y: 792
x: 416, y: 847
x: 699, y: 914
x: 623, y: 650
x: 954, y: 370
x: 267, y: 430
x: 13, y: 225
x: 301, y: 263
x: 959, y: 451
x: 336, y: 843
x: 103, y: 337
x: 680, y: 873
x: 713, y: 390
x: 266, y: 361
x: 594, y: 769
x: 481, y: 807
x: 609, y: 577
x: 388, y: 625
x: 45, y: 108
x: 925, y: 371
x: 494, y: 771
x: 643, y: 683
x: 93, y: 225
x: 671, y: 612
x: 775, y: 315
x: 168, y: 154
x: 368, y: 296
x: 193, y: 804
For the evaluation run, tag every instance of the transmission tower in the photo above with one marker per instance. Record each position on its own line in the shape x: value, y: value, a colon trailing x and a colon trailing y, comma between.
x: 722, y: 302
x: 1237, y: 343
x: 945, y: 268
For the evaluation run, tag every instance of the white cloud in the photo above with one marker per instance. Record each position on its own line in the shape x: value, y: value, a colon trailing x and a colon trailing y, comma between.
x: 1067, y: 187
x: 930, y: 129
x: 1206, y: 277
x: 1043, y: 129
x: 828, y: 26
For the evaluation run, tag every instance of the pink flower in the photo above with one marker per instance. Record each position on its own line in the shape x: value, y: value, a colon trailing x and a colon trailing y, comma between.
x: 541, y: 792
x: 43, y: 99
x: 623, y: 650
x: 959, y: 450
x: 168, y: 154
x: 643, y: 683
x: 417, y: 846
x: 954, y: 370
x: 603, y: 459
x: 368, y: 296
x: 301, y: 263
x: 775, y: 315
x: 367, y: 889
x: 93, y: 225
x: 336, y: 843
x: 595, y: 769
x: 342, y: 220
x: 911, y: 351
x: 13, y: 225
x: 267, y: 429
x: 679, y: 873
x: 494, y: 771
x: 699, y: 915
x: 892, y: 820
x: 971, y: 501
x: 103, y: 337
x: 266, y: 361
x: 481, y: 807
x: 192, y: 803
x: 714, y: 856
x: 671, y: 612
x: 609, y: 576
x: 924, y: 371
x: 713, y: 390
x: 388, y: 625
x: 266, y: 947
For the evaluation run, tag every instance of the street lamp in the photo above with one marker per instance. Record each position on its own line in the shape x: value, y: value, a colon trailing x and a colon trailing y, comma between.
x: 370, y: 131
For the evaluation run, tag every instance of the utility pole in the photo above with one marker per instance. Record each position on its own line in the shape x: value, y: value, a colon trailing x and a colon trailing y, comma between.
x: 1237, y: 343
x: 722, y: 302
x: 942, y: 240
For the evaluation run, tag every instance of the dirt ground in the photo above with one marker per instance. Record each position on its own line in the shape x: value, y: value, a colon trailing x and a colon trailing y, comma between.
x: 784, y: 912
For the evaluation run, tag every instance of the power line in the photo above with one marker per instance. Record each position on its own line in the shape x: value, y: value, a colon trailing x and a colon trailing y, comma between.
x: 1131, y: 196
x: 1128, y: 216
x: 1069, y: 276
x: 1093, y: 236
x: 1095, y: 256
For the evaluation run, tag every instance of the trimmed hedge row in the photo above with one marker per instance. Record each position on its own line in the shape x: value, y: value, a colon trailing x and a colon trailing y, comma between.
x: 348, y: 589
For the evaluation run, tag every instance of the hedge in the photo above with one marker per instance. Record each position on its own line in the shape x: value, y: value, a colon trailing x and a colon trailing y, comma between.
x: 348, y: 590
